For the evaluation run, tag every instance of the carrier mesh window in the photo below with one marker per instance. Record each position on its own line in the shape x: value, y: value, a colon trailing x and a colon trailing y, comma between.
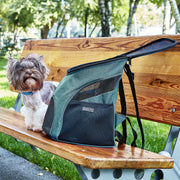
x: 97, y: 88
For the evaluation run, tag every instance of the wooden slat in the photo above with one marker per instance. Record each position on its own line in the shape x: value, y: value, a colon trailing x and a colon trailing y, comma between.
x: 158, y: 97
x: 157, y: 76
x: 124, y: 156
x: 71, y: 52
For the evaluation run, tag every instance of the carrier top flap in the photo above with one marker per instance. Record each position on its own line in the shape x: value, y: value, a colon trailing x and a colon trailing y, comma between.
x: 150, y: 48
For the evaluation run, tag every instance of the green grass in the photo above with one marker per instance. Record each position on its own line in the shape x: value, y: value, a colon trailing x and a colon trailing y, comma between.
x: 7, y: 98
x: 155, y: 137
x: 155, y: 134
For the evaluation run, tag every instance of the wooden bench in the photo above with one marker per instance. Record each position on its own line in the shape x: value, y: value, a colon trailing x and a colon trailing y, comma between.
x: 157, y: 80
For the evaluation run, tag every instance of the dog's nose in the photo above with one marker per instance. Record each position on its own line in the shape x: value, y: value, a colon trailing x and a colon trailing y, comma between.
x: 28, y: 72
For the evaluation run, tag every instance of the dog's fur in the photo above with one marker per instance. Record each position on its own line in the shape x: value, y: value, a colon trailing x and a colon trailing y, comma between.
x: 27, y: 76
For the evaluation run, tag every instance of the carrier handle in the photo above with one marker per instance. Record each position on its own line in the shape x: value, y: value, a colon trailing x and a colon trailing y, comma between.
x: 152, y: 47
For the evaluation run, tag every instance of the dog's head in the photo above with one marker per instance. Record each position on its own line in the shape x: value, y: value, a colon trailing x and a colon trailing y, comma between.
x: 28, y: 74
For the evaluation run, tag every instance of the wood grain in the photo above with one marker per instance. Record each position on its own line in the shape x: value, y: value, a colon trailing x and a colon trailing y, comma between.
x: 124, y: 156
x: 157, y: 76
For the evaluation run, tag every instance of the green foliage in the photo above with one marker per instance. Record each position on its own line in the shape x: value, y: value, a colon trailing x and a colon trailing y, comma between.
x: 157, y: 2
x: 87, y: 12
x: 18, y: 15
x: 9, y: 47
x: 25, y: 17
x: 120, y: 14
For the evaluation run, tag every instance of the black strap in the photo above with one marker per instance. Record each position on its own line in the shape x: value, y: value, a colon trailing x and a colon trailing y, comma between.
x: 134, y: 133
x: 123, y: 109
x: 122, y: 139
x: 119, y: 137
x: 131, y: 80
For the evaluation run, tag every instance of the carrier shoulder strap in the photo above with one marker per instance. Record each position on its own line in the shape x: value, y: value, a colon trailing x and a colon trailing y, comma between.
x: 122, y: 139
x: 150, y: 48
x: 131, y: 81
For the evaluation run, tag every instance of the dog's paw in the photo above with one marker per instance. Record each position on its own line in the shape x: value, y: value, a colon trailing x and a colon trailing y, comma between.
x: 37, y: 130
x: 29, y: 127
x: 12, y: 109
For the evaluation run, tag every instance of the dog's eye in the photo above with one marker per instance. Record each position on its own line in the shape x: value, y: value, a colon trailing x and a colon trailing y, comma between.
x: 17, y: 67
x: 37, y: 65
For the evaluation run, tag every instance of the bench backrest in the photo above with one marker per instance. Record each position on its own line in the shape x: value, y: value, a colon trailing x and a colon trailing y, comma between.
x: 157, y: 76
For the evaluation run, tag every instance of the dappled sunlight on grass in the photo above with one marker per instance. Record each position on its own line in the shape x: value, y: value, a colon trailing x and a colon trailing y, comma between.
x: 7, y: 101
x: 7, y: 97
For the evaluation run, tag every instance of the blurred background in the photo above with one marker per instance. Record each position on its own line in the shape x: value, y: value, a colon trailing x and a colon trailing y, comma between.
x: 35, y: 19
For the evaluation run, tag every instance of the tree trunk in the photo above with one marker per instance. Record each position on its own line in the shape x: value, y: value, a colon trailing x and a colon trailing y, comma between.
x: 176, y: 14
x: 132, y: 10
x: 61, y: 34
x: 93, y: 29
x: 58, y: 26
x: 44, y: 31
x: 46, y: 28
x: 166, y: 17
x: 105, y: 9
x: 86, y: 22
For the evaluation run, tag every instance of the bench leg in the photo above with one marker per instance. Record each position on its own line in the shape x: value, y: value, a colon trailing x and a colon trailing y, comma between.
x: 173, y: 173
x: 173, y: 133
x: 18, y: 103
x: 108, y: 174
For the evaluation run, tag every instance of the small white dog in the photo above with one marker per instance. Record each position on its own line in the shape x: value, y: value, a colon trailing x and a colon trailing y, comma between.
x: 27, y: 76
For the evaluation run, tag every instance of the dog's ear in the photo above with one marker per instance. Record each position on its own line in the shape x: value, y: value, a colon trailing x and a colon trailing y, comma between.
x: 41, y: 58
x: 45, y: 69
x: 10, y: 67
x: 11, y: 61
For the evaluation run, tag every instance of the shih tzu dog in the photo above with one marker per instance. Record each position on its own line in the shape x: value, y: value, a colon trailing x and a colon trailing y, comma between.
x: 27, y: 76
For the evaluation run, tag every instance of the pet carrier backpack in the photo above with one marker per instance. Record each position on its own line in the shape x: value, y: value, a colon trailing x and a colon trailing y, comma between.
x: 83, y: 107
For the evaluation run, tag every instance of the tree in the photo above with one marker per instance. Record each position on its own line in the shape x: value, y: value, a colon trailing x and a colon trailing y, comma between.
x: 176, y: 14
x: 87, y: 13
x: 17, y: 15
x: 46, y: 14
x: 119, y: 15
x: 166, y: 17
x: 105, y: 8
x: 133, y: 4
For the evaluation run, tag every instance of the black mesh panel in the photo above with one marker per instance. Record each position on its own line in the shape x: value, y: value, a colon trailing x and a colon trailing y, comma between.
x: 97, y: 88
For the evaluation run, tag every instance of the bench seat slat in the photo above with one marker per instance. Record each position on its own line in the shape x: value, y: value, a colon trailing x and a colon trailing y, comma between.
x: 123, y: 156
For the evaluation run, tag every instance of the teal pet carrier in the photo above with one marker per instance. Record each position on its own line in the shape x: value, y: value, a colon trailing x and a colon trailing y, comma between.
x: 83, y: 107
